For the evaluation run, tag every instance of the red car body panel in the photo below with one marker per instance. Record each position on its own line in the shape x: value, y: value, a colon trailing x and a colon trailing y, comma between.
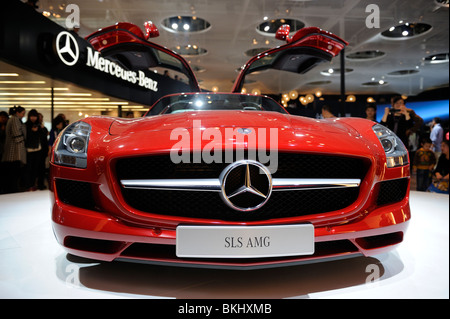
x: 111, y: 229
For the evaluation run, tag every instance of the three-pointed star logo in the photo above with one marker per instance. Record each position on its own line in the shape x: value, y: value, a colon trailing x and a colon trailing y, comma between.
x: 252, y: 192
x: 67, y: 48
x: 247, y: 187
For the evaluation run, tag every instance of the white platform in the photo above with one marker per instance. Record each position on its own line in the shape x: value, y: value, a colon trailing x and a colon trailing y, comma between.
x: 32, y: 265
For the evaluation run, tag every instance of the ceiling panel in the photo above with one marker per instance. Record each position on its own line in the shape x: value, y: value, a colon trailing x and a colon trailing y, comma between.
x: 233, y: 32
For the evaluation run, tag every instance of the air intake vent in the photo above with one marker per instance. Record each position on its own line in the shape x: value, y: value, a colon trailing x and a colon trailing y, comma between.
x: 75, y: 193
x: 392, y: 191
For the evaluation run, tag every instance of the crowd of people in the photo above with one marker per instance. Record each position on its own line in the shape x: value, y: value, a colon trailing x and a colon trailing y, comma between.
x: 428, y: 149
x: 25, y: 148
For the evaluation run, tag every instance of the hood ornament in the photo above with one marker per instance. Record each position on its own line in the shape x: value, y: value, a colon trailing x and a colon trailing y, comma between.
x: 244, y: 130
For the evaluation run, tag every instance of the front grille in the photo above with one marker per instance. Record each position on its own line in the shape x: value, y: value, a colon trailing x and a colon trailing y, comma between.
x: 210, y: 205
x: 202, y: 204
x: 289, y: 165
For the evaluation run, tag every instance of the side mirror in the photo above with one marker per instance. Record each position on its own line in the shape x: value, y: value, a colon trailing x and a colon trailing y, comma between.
x: 283, y: 33
x: 151, y: 31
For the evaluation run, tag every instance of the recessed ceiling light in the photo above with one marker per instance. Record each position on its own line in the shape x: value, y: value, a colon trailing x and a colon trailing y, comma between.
x: 190, y: 50
x: 319, y: 83
x: 185, y: 24
x: 403, y: 72
x: 437, y: 58
x: 335, y: 72
x: 406, y: 31
x: 375, y: 83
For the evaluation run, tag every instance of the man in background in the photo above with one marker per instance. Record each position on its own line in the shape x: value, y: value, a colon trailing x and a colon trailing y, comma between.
x: 436, y: 135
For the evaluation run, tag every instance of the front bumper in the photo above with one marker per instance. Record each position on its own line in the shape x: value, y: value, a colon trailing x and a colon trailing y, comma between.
x: 99, y: 236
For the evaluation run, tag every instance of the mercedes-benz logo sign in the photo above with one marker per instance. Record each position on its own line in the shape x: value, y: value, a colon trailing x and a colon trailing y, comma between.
x: 67, y: 48
x: 246, y: 185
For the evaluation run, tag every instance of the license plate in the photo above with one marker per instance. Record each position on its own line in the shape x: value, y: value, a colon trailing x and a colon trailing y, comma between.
x: 244, y: 241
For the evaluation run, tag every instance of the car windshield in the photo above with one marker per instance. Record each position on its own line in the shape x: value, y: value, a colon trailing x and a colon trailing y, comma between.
x: 214, y: 101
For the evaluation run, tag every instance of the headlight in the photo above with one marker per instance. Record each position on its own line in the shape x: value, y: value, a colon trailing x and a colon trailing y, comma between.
x: 396, y: 152
x: 72, y: 147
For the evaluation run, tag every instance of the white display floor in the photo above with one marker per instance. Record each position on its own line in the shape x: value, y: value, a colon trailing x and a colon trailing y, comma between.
x: 32, y: 265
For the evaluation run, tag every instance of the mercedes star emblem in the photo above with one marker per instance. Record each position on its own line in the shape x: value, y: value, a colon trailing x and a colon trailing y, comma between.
x: 246, y: 185
x: 244, y: 130
x: 67, y: 48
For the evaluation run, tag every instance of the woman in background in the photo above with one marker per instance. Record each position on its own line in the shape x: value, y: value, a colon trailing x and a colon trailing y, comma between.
x: 4, y: 117
x: 14, y: 152
x: 33, y: 146
x: 441, y: 173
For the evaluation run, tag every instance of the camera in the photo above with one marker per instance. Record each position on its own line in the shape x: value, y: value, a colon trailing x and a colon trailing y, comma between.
x: 393, y: 111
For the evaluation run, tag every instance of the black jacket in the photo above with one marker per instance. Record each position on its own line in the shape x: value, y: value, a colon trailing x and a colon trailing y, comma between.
x: 399, y: 125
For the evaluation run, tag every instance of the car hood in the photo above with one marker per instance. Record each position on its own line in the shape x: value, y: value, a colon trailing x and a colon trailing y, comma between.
x: 223, y: 119
x: 159, y: 134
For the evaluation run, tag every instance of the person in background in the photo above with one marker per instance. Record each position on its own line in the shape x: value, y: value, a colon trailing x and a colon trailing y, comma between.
x: 58, y: 125
x: 3, y: 120
x: 14, y: 153
x: 423, y: 163
x: 398, y: 119
x: 4, y: 117
x: 33, y: 146
x: 327, y: 113
x: 41, y: 175
x: 66, y: 121
x: 437, y: 135
x: 440, y: 183
x: 415, y: 132
x: 371, y: 112
x: 33, y: 3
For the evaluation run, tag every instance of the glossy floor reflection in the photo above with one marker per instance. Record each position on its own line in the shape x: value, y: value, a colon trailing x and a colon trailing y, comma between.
x: 32, y: 265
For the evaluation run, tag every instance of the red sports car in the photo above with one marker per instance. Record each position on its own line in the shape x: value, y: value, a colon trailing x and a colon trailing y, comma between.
x: 228, y: 180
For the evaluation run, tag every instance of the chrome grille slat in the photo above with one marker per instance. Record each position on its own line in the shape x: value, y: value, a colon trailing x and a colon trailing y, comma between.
x: 174, y: 184
x: 214, y: 185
